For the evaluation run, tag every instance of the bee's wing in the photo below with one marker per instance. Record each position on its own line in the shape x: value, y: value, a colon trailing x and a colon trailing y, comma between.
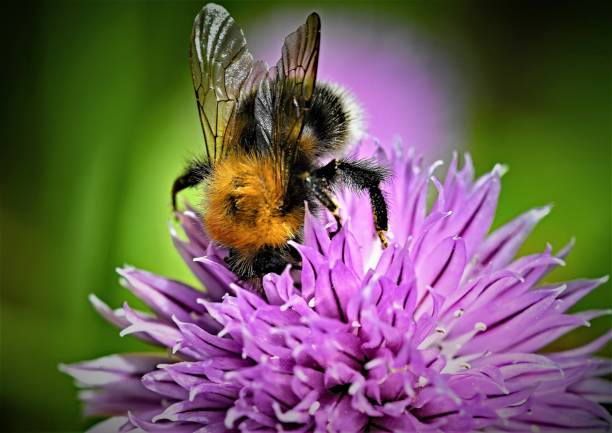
x: 285, y: 93
x: 221, y: 66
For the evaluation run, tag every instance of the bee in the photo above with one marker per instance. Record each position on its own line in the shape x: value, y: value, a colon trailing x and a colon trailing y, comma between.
x: 272, y: 139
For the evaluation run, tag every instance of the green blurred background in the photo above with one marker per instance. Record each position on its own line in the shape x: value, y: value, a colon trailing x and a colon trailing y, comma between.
x: 99, y: 116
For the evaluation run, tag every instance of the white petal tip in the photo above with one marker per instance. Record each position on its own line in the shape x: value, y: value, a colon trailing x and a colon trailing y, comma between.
x: 541, y: 212
x: 435, y: 165
x: 558, y: 261
x: 499, y: 170
x: 480, y: 326
x: 314, y: 408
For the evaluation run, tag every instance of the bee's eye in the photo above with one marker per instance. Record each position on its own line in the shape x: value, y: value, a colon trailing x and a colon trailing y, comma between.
x: 232, y: 204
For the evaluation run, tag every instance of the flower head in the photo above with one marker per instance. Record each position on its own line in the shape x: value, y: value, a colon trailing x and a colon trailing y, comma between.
x: 439, y: 332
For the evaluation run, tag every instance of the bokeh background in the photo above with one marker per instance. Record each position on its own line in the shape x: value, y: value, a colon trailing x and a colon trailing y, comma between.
x: 98, y: 118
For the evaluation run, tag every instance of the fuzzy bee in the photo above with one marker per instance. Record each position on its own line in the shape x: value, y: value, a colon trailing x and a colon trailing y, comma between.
x: 272, y: 143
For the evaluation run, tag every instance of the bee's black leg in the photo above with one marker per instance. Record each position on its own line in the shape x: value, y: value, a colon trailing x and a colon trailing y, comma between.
x: 319, y: 187
x: 379, y: 209
x: 195, y: 173
x: 361, y: 175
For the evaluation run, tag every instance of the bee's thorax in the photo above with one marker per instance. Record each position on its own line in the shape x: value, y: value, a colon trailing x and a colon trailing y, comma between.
x: 244, y: 205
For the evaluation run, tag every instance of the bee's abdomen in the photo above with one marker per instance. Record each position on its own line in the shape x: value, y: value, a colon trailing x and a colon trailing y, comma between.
x: 332, y: 122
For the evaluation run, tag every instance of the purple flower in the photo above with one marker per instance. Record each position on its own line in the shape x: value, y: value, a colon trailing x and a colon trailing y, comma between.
x: 440, y: 332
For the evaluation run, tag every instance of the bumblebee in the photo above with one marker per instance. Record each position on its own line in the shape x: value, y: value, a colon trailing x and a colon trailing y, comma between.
x: 272, y: 139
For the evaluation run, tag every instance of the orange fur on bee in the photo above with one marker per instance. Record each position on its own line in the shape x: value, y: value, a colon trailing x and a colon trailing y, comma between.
x: 308, y: 144
x: 243, y: 205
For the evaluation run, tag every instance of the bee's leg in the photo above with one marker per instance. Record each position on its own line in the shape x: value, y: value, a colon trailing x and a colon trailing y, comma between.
x: 231, y: 258
x: 361, y: 175
x: 319, y: 187
x: 379, y: 210
x: 195, y: 173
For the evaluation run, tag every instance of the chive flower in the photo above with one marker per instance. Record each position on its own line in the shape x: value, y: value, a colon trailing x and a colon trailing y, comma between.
x: 440, y: 332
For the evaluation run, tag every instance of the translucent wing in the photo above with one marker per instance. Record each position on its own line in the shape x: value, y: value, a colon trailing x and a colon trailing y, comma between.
x: 300, y: 58
x: 284, y: 95
x: 220, y: 65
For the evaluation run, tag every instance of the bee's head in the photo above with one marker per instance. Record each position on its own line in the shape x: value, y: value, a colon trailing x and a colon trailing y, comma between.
x: 244, y: 205
x: 266, y: 260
